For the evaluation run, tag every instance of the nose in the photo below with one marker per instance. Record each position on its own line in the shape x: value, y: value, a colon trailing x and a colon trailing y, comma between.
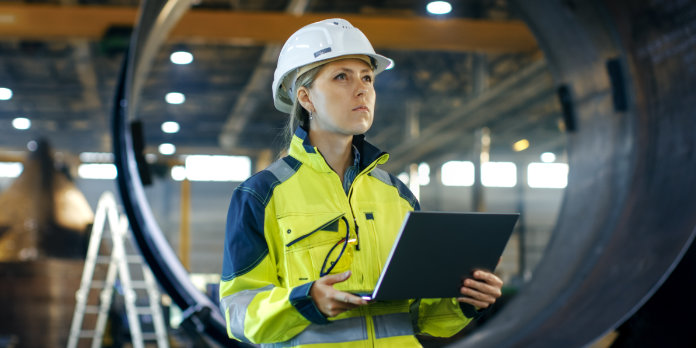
x: 361, y: 89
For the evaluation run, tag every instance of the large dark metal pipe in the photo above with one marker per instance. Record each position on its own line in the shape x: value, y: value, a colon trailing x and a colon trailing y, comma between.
x: 627, y: 216
x: 200, y: 313
x: 626, y: 69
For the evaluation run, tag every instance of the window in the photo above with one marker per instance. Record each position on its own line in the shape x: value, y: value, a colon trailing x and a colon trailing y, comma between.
x: 97, y: 171
x: 10, y: 169
x: 547, y: 175
x: 458, y: 173
x: 499, y: 174
x: 213, y: 168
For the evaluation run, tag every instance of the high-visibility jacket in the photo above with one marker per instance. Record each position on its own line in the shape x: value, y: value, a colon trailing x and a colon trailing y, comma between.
x: 281, y: 225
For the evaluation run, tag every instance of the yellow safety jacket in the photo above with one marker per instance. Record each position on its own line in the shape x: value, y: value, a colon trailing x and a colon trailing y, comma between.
x: 281, y: 225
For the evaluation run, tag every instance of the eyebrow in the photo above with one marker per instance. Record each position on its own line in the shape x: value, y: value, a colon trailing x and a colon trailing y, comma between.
x: 351, y: 70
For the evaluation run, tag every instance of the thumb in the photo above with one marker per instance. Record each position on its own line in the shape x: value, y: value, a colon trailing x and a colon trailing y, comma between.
x: 336, y: 278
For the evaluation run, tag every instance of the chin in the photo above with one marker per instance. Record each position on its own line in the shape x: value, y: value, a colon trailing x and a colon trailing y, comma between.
x: 360, y: 130
x: 363, y: 127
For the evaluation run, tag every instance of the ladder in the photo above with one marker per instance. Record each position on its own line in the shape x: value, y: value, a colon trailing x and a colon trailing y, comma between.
x: 119, y: 262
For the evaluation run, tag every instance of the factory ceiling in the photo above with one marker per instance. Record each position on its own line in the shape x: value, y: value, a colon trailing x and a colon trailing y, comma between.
x: 478, y: 67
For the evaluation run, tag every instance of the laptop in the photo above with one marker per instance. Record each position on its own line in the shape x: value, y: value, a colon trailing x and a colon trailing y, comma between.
x: 435, y: 251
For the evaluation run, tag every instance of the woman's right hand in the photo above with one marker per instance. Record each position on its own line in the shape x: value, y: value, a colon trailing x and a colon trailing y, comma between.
x: 332, y: 302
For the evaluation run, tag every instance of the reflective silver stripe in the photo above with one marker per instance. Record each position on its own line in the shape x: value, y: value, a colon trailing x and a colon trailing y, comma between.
x: 237, y: 305
x: 281, y: 170
x: 382, y: 176
x: 344, y: 330
x: 395, y: 324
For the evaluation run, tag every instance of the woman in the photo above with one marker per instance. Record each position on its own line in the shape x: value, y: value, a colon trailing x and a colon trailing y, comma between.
x: 315, y: 227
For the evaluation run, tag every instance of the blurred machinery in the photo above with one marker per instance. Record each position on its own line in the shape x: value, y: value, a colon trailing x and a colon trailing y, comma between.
x: 44, y: 221
x: 42, y: 214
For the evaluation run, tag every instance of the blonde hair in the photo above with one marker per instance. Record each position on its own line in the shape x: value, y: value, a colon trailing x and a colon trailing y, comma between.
x: 299, y: 116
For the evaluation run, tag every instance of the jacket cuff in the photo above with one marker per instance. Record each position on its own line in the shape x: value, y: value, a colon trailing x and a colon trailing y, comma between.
x: 303, y: 302
x: 471, y: 311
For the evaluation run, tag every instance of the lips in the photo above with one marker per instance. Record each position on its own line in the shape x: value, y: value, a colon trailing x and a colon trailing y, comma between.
x: 361, y: 108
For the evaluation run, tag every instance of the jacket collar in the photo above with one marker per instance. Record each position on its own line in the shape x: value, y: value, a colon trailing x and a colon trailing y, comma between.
x: 302, y: 150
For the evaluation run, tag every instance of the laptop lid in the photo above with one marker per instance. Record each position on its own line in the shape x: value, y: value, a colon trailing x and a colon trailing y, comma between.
x: 435, y: 251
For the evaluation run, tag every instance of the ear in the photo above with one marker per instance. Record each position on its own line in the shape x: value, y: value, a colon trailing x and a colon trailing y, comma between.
x: 304, y: 99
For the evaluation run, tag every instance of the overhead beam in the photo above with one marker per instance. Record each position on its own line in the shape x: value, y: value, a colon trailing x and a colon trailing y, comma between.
x: 42, y: 22
x: 250, y: 96
x: 529, y: 82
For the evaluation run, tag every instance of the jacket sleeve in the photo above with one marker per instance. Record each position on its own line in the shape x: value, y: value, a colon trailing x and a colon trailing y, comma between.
x: 257, y: 309
x: 440, y: 317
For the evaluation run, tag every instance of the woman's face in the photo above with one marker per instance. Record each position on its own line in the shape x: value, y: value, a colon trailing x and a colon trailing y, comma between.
x: 342, y: 97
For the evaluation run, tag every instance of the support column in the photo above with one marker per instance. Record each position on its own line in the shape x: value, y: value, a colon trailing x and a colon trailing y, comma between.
x: 185, y: 228
x: 413, y: 182
x: 521, y: 225
x: 411, y: 133
x: 482, y: 149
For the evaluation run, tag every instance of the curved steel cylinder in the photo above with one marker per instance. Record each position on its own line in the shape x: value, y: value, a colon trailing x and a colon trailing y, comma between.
x: 200, y: 313
x: 624, y: 74
x: 627, y: 216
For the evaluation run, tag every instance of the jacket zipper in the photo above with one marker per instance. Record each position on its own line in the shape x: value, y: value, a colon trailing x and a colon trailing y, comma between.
x: 350, y: 196
x: 367, y: 169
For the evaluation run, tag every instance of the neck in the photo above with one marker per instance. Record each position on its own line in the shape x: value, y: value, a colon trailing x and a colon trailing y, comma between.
x: 336, y: 149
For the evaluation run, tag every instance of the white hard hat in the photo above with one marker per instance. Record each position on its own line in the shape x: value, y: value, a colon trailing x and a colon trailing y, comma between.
x: 317, y: 42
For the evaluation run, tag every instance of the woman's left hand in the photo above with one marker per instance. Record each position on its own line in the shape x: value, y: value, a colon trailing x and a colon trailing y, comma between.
x: 481, y: 291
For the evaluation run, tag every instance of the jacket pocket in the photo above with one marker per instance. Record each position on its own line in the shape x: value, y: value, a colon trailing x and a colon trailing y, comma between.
x: 308, y: 239
x: 297, y: 228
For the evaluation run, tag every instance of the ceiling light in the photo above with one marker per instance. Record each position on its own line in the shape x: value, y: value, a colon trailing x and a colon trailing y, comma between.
x: 439, y: 7
x: 520, y: 145
x: 181, y: 57
x: 167, y: 149
x: 175, y: 98
x: 170, y: 127
x: 548, y: 157
x: 21, y: 123
x: 5, y: 93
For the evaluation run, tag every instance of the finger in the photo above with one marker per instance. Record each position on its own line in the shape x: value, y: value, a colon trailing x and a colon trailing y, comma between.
x: 489, y: 278
x: 482, y: 287
x: 477, y: 295
x: 335, y: 278
x: 334, y: 308
x: 476, y: 303
x: 337, y: 306
x: 349, y: 299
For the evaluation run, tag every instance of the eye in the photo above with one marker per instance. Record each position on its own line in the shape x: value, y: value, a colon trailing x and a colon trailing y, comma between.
x: 367, y: 78
x: 340, y: 76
